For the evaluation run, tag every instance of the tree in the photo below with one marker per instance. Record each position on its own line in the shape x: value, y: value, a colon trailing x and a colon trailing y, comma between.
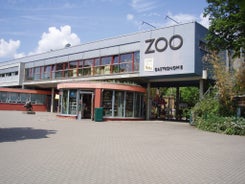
x: 225, y: 83
x: 189, y: 95
x: 227, y: 32
x: 227, y: 25
x: 240, y: 82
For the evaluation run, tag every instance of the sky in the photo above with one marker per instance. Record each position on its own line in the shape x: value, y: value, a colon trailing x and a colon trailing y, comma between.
x: 30, y: 27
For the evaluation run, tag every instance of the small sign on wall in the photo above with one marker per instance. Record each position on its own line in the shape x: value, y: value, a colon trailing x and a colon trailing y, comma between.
x: 57, y: 96
x: 148, y: 64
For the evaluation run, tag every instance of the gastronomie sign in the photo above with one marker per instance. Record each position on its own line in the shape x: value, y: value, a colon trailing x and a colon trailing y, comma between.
x: 168, y: 51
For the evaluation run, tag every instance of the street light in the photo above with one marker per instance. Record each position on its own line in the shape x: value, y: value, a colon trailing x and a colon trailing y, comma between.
x: 143, y: 22
x: 167, y: 17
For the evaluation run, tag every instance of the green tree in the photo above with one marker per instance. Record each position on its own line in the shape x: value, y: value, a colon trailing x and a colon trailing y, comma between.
x: 227, y: 32
x: 227, y: 25
x: 189, y: 95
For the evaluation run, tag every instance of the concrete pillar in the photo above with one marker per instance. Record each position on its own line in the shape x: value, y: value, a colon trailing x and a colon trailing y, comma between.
x: 52, y: 100
x: 177, y: 103
x: 148, y: 101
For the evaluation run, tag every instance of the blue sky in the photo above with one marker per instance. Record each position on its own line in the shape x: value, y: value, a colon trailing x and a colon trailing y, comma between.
x: 36, y: 26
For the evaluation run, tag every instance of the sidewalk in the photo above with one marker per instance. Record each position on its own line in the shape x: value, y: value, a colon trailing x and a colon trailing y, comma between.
x: 44, y: 149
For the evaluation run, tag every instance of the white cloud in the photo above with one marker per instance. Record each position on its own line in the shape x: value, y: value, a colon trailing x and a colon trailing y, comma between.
x: 8, y: 48
x: 130, y: 16
x: 19, y: 55
x: 142, y: 5
x: 56, y: 39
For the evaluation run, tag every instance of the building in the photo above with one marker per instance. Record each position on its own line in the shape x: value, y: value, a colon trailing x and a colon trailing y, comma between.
x: 114, y: 73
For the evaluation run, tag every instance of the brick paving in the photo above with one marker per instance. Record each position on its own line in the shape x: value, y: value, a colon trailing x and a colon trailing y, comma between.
x: 44, y: 149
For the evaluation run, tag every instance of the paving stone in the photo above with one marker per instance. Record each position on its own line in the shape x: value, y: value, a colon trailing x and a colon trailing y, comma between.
x: 44, y: 149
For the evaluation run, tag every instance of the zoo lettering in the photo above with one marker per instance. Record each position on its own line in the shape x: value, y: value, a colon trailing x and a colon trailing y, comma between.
x: 153, y: 44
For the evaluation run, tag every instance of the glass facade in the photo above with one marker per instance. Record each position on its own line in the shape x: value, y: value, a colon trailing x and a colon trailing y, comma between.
x: 107, y: 103
x: 107, y: 65
x: 123, y: 104
x: 72, y: 109
x: 22, y: 98
x: 116, y: 104
x: 68, y: 102
x: 37, y: 73
x: 47, y: 72
x: 64, y: 102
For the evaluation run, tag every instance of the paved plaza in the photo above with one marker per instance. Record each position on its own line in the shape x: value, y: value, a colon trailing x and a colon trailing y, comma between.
x: 44, y: 149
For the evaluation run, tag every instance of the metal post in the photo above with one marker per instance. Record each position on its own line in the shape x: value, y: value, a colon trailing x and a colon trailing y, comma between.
x: 177, y: 115
x: 201, y: 88
x: 52, y: 100
x: 148, y: 101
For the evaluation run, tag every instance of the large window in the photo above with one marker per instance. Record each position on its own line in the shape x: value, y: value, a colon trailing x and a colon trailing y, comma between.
x: 68, y: 102
x: 129, y: 112
x: 16, y: 97
x: 29, y: 74
x: 80, y: 68
x: 13, y: 97
x: 85, y: 67
x: 64, y: 102
x: 88, y: 67
x: 72, y: 69
x: 136, y: 61
x: 59, y: 70
x: 107, y: 102
x: 24, y: 97
x: 37, y: 73
x: 116, y: 65
x: 123, y: 104
x: 138, y: 105
x: 66, y: 70
x: 119, y: 104
x: 3, y: 97
x: 46, y: 72
x: 126, y: 63
x: 97, y: 68
x: 38, y: 99
x: 53, y: 71
x: 106, y: 65
x: 72, y: 102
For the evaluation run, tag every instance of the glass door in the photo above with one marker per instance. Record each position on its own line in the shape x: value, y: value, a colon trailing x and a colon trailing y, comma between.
x: 119, y: 104
x: 86, y: 105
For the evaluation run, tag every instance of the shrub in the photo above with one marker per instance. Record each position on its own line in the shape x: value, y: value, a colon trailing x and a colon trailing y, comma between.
x: 220, y: 124
x: 207, y: 106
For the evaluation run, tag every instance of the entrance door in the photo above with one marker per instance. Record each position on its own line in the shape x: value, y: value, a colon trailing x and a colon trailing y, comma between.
x: 86, y: 101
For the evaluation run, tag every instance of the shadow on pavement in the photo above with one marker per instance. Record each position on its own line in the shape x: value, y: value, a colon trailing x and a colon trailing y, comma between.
x: 23, y: 133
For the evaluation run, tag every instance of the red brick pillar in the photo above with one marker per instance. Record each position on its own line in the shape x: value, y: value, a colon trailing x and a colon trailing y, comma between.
x: 97, y: 98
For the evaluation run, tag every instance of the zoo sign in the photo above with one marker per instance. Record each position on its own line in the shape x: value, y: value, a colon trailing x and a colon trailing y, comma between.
x: 161, y: 44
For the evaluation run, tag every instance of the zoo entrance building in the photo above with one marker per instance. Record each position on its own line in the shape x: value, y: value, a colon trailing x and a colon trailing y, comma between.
x: 114, y: 74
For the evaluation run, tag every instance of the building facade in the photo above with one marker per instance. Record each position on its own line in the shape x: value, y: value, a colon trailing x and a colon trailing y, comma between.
x: 115, y: 73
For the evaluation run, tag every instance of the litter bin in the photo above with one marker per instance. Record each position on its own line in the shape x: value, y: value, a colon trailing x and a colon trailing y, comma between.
x: 98, y: 114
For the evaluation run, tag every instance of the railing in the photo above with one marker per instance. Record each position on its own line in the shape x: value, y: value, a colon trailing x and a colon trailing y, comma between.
x: 9, y: 80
